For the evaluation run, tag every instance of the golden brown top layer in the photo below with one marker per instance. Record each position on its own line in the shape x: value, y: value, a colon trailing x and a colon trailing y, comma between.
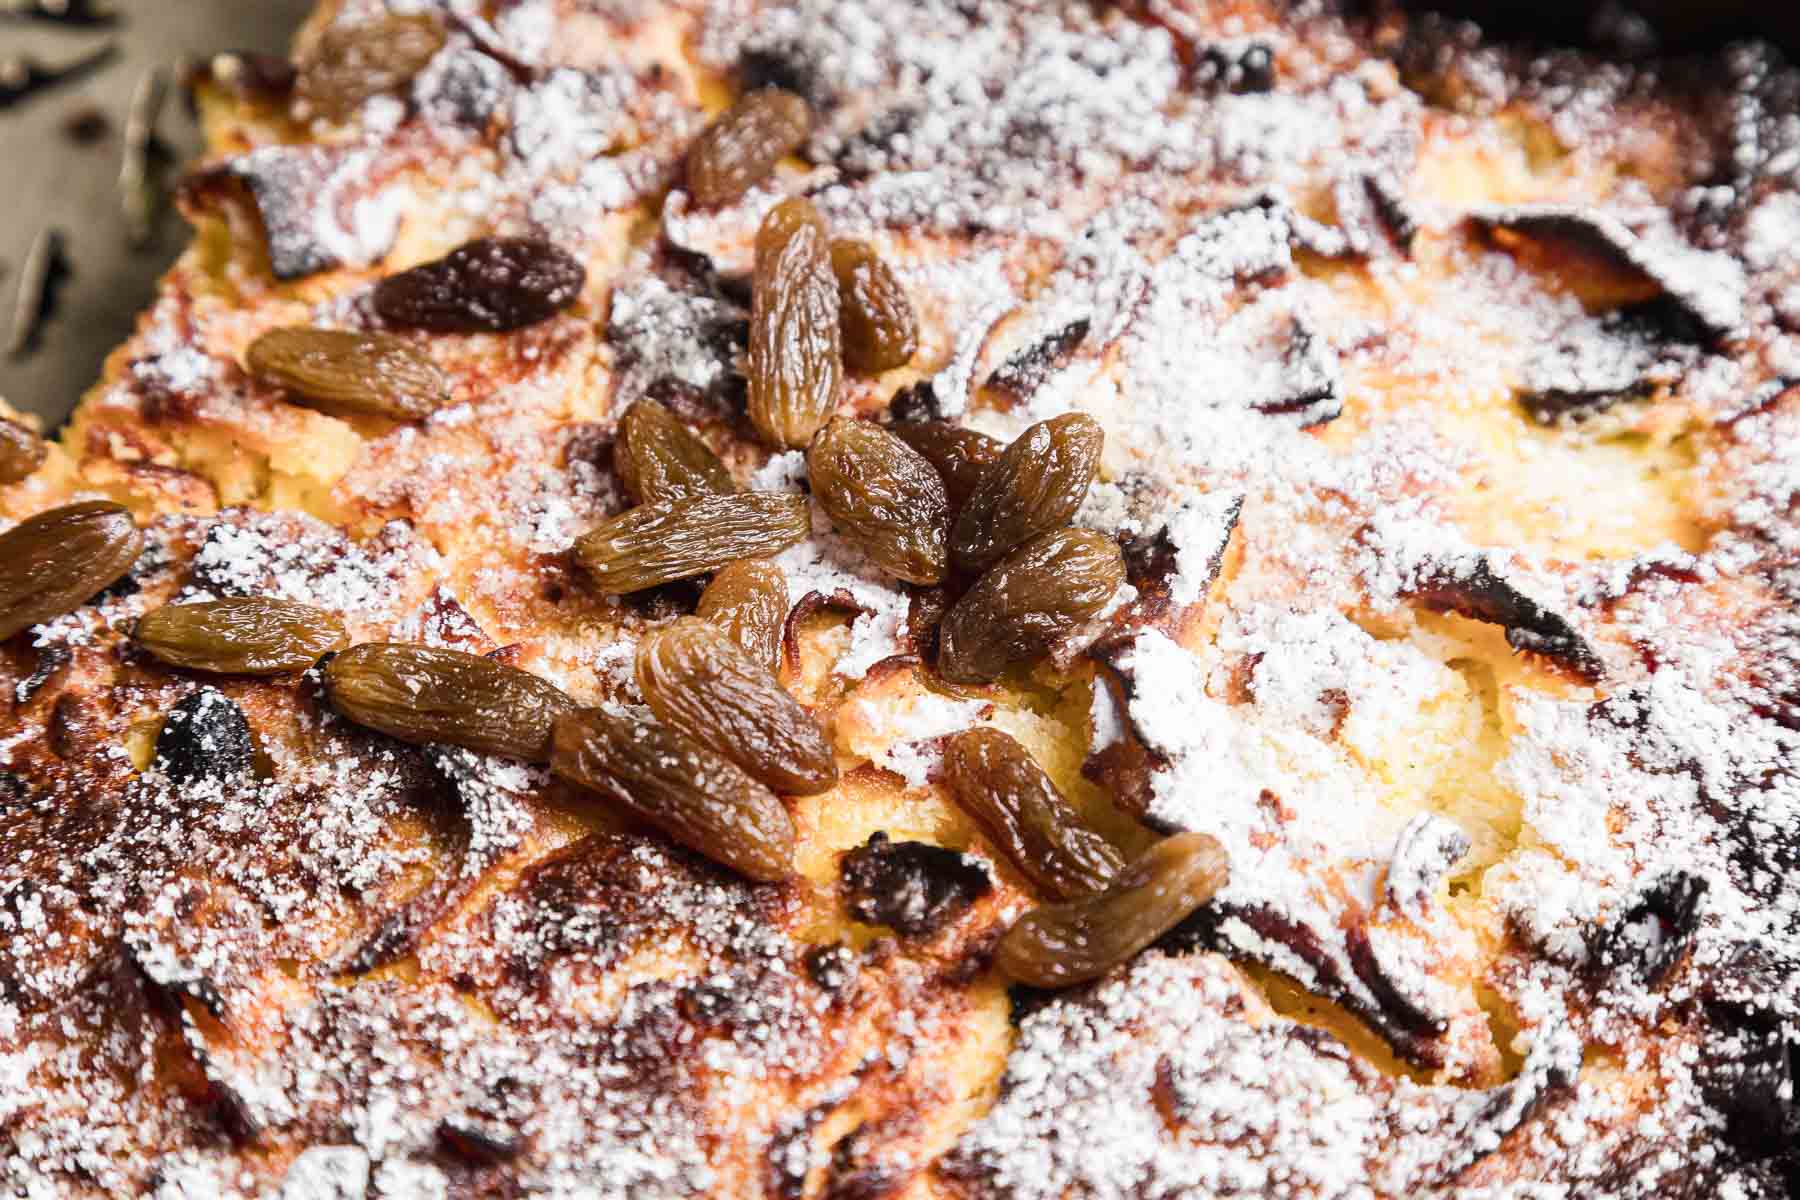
x: 1447, y: 435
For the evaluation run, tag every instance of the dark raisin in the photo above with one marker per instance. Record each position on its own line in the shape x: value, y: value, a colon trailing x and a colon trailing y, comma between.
x: 914, y: 888
x: 494, y: 285
x: 204, y: 736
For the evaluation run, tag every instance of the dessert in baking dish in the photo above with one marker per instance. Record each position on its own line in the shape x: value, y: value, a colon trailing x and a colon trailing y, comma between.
x: 978, y: 600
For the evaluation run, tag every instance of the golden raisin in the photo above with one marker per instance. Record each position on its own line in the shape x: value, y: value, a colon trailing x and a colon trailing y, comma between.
x: 353, y: 62
x: 741, y: 148
x: 422, y: 694
x: 1059, y: 945
x: 344, y: 373
x: 700, y: 799
x: 659, y: 459
x: 22, y: 452
x: 960, y: 455
x: 749, y: 600
x: 700, y: 682
x: 997, y: 782
x: 678, y: 539
x: 796, y: 347
x: 881, y: 331
x: 241, y: 635
x: 55, y: 562
x: 884, y: 496
x: 1045, y: 589
x: 1036, y: 486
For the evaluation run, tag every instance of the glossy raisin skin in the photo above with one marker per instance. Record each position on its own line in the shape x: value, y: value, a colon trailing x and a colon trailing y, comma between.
x: 204, y: 736
x: 240, y: 635
x: 997, y: 782
x: 350, y: 374
x: 22, y: 452
x: 1060, y: 945
x: 1045, y: 589
x: 658, y: 458
x: 355, y: 61
x: 492, y: 285
x: 426, y: 696
x: 960, y: 455
x: 796, y: 347
x: 678, y: 539
x: 702, y: 684
x: 55, y: 562
x: 749, y: 600
x: 740, y: 149
x: 881, y: 330
x: 698, y: 798
x: 884, y: 496
x: 914, y: 888
x: 1036, y: 486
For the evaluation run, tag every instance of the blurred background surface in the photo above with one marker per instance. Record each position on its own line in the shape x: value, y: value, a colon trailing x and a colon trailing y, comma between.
x: 60, y: 153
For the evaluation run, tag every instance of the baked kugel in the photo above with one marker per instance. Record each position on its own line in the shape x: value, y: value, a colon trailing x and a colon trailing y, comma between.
x: 1224, y: 586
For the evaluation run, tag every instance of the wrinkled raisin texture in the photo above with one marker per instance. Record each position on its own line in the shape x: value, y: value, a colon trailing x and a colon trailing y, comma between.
x: 749, y: 600
x: 1046, y: 588
x: 355, y: 61
x: 679, y: 539
x: 659, y: 458
x: 698, y: 798
x: 55, y: 562
x: 884, y: 496
x: 1036, y: 486
x: 881, y: 331
x: 425, y: 695
x: 345, y: 373
x: 1060, y: 945
x: 741, y: 148
x: 240, y: 635
x: 997, y: 782
x: 796, y: 345
x: 960, y: 455
x: 22, y: 452
x: 204, y: 736
x: 700, y: 682
x: 914, y: 888
x: 493, y: 285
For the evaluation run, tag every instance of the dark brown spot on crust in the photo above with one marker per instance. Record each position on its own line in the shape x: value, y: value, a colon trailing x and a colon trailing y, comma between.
x: 914, y: 888
x: 1475, y: 591
x: 1018, y: 378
